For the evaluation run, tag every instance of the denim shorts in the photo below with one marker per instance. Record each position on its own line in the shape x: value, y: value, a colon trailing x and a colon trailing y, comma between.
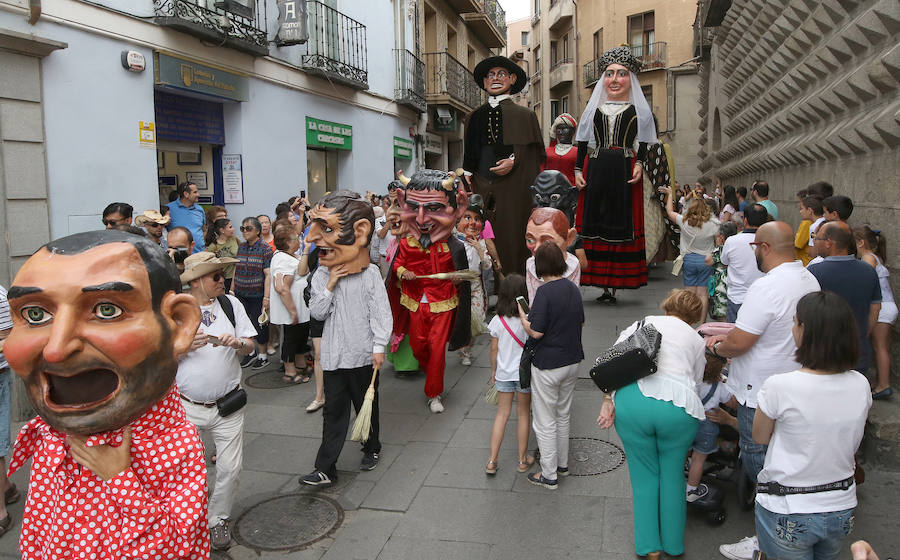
x: 5, y: 379
x: 803, y: 536
x: 695, y: 270
x: 510, y: 387
x: 706, y: 440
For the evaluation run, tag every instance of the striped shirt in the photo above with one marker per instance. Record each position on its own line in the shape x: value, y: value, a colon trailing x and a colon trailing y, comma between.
x: 5, y: 321
x: 249, y: 275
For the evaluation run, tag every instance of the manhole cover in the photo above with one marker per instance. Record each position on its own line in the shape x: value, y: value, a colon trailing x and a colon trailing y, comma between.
x: 591, y: 456
x: 288, y: 522
x: 267, y: 380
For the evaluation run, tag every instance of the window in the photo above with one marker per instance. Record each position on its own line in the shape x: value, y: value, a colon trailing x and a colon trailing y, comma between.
x: 537, y: 59
x: 564, y: 105
x: 564, y: 43
x: 554, y: 109
x: 598, y: 43
x: 536, y: 94
x: 524, y: 38
x: 641, y: 32
x: 554, y: 53
x: 648, y: 95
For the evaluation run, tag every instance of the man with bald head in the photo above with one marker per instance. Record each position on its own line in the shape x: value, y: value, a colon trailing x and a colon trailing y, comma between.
x: 850, y: 278
x: 761, y: 344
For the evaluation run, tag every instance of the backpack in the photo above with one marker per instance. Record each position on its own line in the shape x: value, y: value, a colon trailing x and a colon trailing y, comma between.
x: 226, y: 307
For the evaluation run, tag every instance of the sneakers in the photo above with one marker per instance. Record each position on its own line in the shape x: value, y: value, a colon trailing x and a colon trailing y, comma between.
x: 220, y: 536
x: 246, y: 360
x: 259, y: 363
x: 465, y: 357
x: 741, y: 550
x: 538, y: 478
x: 435, y: 405
x: 369, y: 462
x: 697, y: 493
x: 562, y: 471
x: 316, y: 478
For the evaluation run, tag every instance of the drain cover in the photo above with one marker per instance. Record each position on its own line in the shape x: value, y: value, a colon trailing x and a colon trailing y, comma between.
x: 267, y: 380
x: 288, y: 522
x: 591, y: 456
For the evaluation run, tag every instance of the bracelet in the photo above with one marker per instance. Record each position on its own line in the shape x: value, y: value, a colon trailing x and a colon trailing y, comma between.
x: 715, y: 349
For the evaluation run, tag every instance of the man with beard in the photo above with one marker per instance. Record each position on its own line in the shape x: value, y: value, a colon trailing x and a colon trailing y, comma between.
x: 504, y: 150
x: 432, y: 311
x: 117, y: 470
x: 348, y: 294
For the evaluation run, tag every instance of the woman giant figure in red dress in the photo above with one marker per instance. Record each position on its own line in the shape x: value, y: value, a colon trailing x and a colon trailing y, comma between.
x: 617, y: 126
x: 561, y: 154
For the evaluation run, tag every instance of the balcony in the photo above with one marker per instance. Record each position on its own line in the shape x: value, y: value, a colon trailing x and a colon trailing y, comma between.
x: 653, y: 57
x: 562, y: 73
x: 535, y: 18
x: 488, y: 24
x: 537, y: 72
x: 561, y: 14
x: 245, y: 34
x: 448, y: 82
x: 409, y: 87
x: 463, y: 6
x: 337, y: 47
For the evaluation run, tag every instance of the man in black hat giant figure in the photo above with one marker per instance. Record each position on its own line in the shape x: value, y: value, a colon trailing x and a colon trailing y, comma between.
x: 504, y: 152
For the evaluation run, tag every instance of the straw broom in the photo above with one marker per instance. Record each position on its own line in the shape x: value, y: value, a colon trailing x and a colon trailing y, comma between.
x: 363, y: 424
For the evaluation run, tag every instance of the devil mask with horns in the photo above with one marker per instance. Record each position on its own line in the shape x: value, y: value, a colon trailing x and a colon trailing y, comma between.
x: 430, y: 204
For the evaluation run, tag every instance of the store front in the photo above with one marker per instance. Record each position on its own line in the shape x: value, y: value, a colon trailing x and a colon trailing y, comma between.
x: 327, y: 144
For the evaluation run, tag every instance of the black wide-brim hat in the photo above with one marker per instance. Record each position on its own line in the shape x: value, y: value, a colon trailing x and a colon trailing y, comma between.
x: 483, y: 67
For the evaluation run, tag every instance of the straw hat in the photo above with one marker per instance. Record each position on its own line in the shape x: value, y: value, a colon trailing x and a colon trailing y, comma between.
x: 151, y: 217
x: 203, y: 263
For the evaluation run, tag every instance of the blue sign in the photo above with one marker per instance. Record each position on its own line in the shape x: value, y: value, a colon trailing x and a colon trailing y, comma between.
x: 186, y: 119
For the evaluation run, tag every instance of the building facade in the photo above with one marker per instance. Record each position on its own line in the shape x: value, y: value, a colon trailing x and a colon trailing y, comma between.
x: 518, y: 48
x: 120, y: 100
x: 661, y: 35
x: 455, y: 36
x: 554, y: 80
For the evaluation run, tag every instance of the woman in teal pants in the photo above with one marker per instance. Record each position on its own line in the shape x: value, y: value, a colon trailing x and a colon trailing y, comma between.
x: 657, y: 418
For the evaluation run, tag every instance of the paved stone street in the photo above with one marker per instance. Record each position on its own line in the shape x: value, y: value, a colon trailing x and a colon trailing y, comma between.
x: 429, y: 496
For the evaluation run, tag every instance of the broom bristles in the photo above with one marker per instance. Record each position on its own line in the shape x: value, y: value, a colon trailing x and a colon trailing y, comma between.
x: 363, y: 424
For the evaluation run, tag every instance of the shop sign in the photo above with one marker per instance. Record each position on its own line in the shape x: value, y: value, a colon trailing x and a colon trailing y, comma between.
x: 293, y: 26
x: 403, y: 148
x: 325, y: 134
x: 147, y: 134
x: 188, y: 75
x: 133, y: 61
x: 232, y: 178
x: 433, y: 143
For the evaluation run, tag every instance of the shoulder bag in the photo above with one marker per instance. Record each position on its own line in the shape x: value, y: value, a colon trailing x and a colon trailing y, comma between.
x: 679, y: 260
x: 629, y: 360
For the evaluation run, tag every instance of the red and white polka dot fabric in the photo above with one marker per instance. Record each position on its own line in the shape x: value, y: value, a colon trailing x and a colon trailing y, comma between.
x: 157, y: 509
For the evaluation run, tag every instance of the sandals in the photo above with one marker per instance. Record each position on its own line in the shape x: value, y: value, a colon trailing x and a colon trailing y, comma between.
x: 295, y: 379
x: 526, y: 464
x: 12, y: 495
x: 491, y: 467
x: 5, y: 524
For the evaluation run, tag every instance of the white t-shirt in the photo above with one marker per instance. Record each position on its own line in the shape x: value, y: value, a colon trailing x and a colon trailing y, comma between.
x: 209, y: 373
x: 699, y: 240
x: 819, y: 422
x: 812, y: 229
x: 768, y: 311
x: 509, y: 352
x: 284, y: 264
x: 738, y: 256
x: 378, y: 246
x: 722, y: 395
x: 816, y: 260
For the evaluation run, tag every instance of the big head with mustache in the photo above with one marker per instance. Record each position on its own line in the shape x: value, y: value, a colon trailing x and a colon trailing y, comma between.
x: 430, y: 204
x: 99, y: 322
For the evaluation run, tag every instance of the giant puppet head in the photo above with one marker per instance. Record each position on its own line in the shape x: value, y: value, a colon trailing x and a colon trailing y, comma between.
x: 551, y: 189
x: 498, y: 75
x: 548, y: 224
x: 430, y: 204
x: 99, y: 322
x: 342, y: 226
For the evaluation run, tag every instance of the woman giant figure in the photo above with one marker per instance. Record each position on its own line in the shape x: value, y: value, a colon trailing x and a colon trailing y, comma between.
x: 618, y: 127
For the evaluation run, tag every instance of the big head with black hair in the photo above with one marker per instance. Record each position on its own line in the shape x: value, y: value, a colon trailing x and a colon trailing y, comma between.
x: 430, y: 204
x: 99, y: 322
x: 825, y: 333
x: 117, y: 213
x: 341, y: 227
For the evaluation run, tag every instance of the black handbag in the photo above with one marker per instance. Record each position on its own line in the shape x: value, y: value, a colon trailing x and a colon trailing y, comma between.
x: 233, y: 401
x: 525, y: 363
x: 629, y: 360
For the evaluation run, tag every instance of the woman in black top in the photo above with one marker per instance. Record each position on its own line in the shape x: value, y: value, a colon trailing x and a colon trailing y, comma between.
x: 555, y: 322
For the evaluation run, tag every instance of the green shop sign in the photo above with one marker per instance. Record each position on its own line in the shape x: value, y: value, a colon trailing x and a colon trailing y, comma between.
x: 325, y: 134
x: 403, y: 148
x: 184, y: 74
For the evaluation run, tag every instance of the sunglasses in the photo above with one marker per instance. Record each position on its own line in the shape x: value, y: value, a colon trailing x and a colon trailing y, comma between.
x: 248, y: 228
x: 111, y: 222
x: 218, y: 277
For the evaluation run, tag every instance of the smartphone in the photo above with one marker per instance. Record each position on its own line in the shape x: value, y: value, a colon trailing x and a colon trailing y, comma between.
x: 302, y: 194
x: 210, y: 339
x: 523, y: 303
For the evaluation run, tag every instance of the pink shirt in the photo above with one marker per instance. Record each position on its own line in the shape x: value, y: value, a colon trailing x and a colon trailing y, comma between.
x: 488, y: 231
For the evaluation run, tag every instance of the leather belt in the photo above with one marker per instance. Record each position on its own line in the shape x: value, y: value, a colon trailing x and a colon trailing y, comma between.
x: 778, y: 490
x: 192, y: 401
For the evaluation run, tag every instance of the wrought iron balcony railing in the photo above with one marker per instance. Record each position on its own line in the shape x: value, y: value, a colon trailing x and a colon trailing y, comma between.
x: 247, y: 34
x: 496, y: 14
x: 409, y: 87
x: 336, y: 47
x: 652, y: 55
x: 447, y: 76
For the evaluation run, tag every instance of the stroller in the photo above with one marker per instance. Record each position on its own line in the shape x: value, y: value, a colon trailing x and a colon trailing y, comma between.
x: 723, y: 466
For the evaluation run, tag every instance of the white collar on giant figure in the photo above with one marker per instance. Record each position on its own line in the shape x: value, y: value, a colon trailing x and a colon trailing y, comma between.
x: 495, y: 100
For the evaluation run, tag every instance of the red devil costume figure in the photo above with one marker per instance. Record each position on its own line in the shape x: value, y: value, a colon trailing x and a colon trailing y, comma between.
x: 504, y: 150
x: 99, y: 322
x: 433, y: 311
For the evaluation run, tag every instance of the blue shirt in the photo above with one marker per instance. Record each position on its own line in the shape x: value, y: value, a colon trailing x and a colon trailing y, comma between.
x: 192, y: 218
x: 558, y: 312
x: 770, y: 208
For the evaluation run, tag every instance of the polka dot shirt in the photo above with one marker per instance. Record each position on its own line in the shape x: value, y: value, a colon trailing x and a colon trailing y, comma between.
x: 157, y: 509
